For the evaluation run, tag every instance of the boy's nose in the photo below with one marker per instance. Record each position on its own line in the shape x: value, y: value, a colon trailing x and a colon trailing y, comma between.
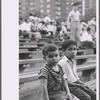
x: 54, y: 57
x: 73, y: 51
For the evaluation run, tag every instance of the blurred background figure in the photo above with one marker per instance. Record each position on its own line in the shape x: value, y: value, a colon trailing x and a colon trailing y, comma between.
x: 74, y: 21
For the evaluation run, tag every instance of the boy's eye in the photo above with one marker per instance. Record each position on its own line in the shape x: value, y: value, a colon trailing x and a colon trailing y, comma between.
x: 51, y: 56
x: 70, y: 49
x: 56, y: 55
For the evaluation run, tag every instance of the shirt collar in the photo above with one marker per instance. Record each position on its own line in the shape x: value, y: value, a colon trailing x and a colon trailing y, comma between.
x: 66, y: 59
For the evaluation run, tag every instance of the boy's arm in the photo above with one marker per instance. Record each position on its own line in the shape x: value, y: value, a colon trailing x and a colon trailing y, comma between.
x: 43, y: 83
x: 72, y: 84
x: 66, y: 88
x: 80, y: 82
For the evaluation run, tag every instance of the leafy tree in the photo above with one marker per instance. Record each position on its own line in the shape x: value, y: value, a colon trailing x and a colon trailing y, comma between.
x: 90, y: 13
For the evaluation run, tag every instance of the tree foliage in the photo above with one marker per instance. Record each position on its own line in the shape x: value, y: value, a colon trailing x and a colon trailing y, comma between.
x: 90, y: 13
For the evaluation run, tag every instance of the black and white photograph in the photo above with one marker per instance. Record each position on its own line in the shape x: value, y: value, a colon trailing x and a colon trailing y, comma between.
x: 57, y: 50
x: 53, y: 54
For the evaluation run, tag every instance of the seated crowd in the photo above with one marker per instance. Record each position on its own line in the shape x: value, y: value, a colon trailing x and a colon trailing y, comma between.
x: 34, y: 27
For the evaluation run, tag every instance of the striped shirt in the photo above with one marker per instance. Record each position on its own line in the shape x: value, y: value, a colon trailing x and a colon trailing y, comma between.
x: 54, y: 86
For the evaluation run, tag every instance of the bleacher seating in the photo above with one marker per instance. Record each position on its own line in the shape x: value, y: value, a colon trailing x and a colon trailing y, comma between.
x: 31, y: 60
x: 30, y: 48
x: 24, y: 40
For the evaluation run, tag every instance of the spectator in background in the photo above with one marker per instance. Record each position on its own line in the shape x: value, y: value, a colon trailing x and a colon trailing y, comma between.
x: 46, y: 18
x: 92, y: 25
x: 31, y: 16
x: 74, y: 21
x: 35, y: 30
x: 25, y: 27
x: 63, y: 31
x: 43, y: 28
x: 53, y: 27
x: 83, y: 27
x: 87, y: 35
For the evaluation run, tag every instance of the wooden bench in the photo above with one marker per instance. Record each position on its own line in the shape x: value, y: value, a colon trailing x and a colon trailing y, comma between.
x: 30, y: 48
x: 92, y: 84
x: 81, y: 52
x: 41, y: 59
x: 87, y: 71
x: 33, y: 43
x: 39, y: 44
x: 25, y: 54
x: 24, y: 40
x: 48, y: 40
x: 27, y: 43
x: 50, y: 36
x: 83, y: 58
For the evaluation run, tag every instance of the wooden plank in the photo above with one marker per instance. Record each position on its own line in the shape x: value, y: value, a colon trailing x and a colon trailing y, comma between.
x: 85, y: 56
x: 33, y: 43
x: 92, y: 84
x: 30, y: 61
x: 90, y: 61
x: 30, y: 76
x: 86, y: 67
x: 27, y: 43
x: 23, y: 49
x: 24, y: 52
x: 24, y: 40
x: 30, y: 48
x: 41, y: 59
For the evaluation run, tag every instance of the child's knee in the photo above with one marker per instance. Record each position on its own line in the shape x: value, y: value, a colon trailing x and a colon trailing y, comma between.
x: 87, y: 97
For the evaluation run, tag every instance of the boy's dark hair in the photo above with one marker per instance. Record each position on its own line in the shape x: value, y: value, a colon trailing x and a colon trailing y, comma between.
x: 88, y: 29
x: 49, y: 48
x: 67, y: 43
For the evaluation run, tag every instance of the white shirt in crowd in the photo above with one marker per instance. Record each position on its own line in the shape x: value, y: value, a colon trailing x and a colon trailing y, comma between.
x: 46, y: 19
x: 51, y: 28
x: 74, y: 16
x: 86, y: 37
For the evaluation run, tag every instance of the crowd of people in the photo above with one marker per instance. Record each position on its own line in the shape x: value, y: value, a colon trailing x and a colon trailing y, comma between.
x: 59, y: 80
x: 34, y: 27
x: 79, y: 30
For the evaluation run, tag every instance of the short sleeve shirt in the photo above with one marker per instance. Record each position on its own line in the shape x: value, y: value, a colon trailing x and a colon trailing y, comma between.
x: 69, y: 68
x: 53, y: 85
x: 74, y: 15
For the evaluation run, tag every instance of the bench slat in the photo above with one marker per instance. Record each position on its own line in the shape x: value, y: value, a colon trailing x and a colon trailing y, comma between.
x: 41, y: 59
x: 24, y: 77
x: 86, y: 67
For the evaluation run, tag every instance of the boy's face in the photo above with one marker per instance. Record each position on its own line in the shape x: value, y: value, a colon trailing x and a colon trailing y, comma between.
x: 52, y: 58
x: 71, y: 51
x: 75, y: 8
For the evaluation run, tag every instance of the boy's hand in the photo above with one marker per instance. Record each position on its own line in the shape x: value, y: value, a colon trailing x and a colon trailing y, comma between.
x: 70, y: 97
x: 84, y: 87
